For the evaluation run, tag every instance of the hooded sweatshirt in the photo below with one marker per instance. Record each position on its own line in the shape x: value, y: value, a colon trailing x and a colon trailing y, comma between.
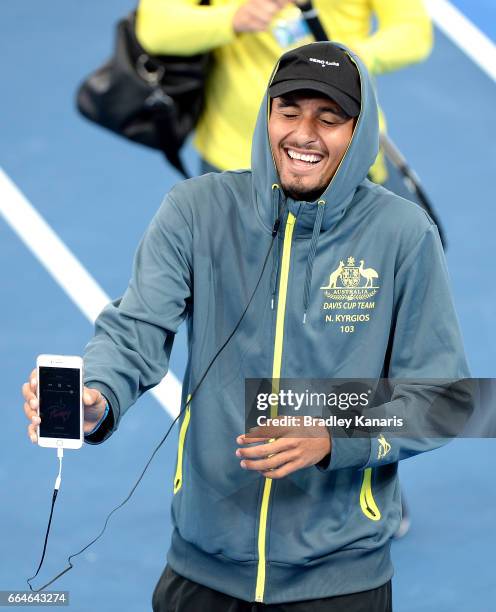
x: 318, y: 532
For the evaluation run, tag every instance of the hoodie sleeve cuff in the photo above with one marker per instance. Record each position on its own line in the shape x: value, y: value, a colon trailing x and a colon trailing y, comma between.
x: 346, y: 453
x: 110, y: 423
x: 102, y: 418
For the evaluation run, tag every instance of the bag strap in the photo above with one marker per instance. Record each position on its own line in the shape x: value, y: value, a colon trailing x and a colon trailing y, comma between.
x: 390, y: 150
x: 311, y: 16
x: 171, y: 153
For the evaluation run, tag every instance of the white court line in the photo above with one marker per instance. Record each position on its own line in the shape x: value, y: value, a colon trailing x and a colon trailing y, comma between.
x: 68, y: 272
x: 464, y: 34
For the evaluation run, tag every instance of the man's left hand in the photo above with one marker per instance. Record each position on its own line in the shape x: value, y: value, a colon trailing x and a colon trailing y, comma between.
x: 288, y: 449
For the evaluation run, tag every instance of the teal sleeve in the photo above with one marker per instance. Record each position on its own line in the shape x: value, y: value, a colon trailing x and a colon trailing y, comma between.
x: 129, y: 353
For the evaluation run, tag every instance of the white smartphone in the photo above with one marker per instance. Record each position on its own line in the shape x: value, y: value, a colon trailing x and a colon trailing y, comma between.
x: 60, y: 397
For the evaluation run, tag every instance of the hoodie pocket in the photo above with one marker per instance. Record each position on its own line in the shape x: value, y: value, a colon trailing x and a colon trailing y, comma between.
x: 178, y: 477
x: 367, y: 501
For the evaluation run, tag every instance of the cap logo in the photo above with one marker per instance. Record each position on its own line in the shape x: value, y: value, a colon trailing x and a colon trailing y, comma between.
x: 323, y: 62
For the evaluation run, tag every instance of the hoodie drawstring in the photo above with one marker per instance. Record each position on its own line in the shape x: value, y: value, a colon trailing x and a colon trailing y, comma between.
x: 311, y: 252
x: 311, y: 256
x: 275, y: 248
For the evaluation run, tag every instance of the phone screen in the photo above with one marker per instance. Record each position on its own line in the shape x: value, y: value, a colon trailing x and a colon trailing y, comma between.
x: 59, y: 397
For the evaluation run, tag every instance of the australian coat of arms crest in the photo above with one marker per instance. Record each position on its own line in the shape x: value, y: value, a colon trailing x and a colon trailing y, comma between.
x: 351, y: 282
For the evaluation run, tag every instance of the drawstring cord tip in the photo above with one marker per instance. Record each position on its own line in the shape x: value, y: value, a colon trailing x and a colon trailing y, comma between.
x: 304, y: 318
x: 275, y: 229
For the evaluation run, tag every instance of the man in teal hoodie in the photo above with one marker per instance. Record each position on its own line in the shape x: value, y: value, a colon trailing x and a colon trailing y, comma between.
x: 356, y: 287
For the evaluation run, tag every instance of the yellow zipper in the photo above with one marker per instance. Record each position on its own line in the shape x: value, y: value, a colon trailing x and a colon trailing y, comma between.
x: 276, y: 373
x: 367, y: 501
x: 178, y: 477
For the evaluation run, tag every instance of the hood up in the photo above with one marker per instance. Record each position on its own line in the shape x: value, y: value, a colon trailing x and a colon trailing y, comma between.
x: 352, y: 171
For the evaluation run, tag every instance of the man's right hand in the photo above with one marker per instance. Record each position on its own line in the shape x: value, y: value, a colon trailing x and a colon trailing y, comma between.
x: 256, y: 15
x: 93, y: 404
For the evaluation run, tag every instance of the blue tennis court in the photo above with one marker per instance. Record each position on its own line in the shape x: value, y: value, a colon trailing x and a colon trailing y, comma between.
x: 98, y: 194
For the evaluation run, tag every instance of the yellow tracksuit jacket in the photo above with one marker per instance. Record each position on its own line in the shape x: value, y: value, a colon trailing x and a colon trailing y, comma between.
x: 243, y: 62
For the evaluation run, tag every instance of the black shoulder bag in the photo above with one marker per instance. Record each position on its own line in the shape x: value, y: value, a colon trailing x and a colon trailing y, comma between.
x: 153, y: 100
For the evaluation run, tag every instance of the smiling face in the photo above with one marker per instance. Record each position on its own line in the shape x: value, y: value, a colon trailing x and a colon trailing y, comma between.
x: 309, y: 134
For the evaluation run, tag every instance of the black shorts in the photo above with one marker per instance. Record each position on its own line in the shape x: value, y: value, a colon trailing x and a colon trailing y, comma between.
x: 174, y: 593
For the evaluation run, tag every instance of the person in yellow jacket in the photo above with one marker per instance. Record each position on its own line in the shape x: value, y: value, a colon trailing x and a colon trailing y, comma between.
x: 248, y: 36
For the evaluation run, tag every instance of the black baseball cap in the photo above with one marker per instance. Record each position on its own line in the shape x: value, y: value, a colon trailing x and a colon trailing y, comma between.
x: 322, y: 67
